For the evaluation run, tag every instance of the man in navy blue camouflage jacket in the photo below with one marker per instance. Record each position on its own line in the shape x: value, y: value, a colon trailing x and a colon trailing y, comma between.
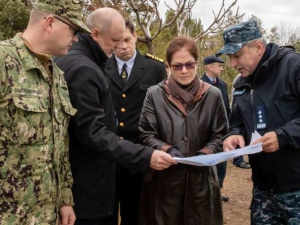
x: 267, y: 99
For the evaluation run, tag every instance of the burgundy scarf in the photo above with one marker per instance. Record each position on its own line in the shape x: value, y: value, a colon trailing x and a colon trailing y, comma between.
x: 184, y: 93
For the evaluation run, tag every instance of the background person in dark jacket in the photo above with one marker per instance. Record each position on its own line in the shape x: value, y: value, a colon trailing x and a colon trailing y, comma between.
x: 213, y: 67
x: 267, y: 99
x: 186, y: 117
x: 128, y: 96
x: 94, y: 147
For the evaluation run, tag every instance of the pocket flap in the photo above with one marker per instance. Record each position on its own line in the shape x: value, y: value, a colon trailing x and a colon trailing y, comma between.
x: 30, y: 99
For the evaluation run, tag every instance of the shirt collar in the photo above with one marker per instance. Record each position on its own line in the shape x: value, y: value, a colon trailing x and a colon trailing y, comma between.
x: 129, y: 63
x: 43, y: 58
x: 211, y: 78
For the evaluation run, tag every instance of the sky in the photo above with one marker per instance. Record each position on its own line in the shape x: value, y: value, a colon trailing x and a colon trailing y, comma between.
x: 271, y: 12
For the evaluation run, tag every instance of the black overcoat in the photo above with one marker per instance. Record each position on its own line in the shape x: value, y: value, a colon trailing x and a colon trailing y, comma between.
x: 94, y: 147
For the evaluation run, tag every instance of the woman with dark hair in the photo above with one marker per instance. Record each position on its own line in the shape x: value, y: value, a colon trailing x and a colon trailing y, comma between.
x: 183, y: 116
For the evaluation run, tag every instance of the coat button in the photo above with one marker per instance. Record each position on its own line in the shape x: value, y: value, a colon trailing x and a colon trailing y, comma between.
x: 123, y: 95
x: 185, y: 139
x: 121, y: 124
x: 123, y: 110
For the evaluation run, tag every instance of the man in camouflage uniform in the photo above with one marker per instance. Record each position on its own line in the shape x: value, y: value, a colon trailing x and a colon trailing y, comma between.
x: 35, y: 177
x: 266, y: 98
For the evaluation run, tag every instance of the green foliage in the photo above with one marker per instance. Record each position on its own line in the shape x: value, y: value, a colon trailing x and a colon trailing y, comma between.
x: 294, y: 40
x: 14, y: 16
x: 194, y: 26
x: 297, y: 45
x: 161, y: 42
x: 273, y: 35
x: 260, y: 24
x: 191, y: 28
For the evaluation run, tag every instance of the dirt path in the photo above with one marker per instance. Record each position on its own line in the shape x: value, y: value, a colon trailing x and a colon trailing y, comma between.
x: 238, y: 186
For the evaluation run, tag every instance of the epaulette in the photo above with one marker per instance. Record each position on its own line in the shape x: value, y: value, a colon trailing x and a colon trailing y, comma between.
x: 154, y: 57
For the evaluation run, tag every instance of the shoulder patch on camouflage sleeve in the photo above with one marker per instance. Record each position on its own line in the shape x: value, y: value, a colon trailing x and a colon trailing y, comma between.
x: 154, y: 57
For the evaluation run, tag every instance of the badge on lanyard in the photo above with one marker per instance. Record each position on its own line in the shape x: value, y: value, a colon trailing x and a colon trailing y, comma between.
x: 260, y: 117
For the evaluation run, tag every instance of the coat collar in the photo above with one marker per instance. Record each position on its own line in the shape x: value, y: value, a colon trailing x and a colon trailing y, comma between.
x: 220, y: 83
x: 203, y: 87
x: 29, y: 59
x: 262, y: 73
x: 137, y: 72
x: 90, y: 49
x: 206, y: 78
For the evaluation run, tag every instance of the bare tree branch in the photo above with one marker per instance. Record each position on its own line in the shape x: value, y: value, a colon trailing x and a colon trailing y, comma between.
x: 180, y: 8
x: 185, y: 15
x: 217, y: 23
x: 148, y: 18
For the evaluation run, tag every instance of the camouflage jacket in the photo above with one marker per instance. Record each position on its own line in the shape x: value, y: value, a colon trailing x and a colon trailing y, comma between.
x: 35, y: 176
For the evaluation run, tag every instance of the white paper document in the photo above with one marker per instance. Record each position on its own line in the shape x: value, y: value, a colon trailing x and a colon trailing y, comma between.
x: 255, y: 136
x: 212, y: 159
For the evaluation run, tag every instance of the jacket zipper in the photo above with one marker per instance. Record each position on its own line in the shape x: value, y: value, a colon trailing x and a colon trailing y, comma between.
x: 253, y: 113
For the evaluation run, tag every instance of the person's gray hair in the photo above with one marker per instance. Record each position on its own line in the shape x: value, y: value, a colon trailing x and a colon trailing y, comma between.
x: 101, y: 19
x: 251, y: 43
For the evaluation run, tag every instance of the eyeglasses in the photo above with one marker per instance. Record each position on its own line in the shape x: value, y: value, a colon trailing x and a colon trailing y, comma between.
x: 75, y: 31
x: 188, y: 66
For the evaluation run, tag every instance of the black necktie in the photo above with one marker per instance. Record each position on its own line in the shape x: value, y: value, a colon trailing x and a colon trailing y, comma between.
x: 124, y: 74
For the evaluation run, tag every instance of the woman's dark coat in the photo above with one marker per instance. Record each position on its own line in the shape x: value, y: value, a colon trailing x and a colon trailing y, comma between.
x: 182, y: 194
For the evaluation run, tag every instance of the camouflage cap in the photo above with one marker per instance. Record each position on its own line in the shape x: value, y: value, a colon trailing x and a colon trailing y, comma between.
x: 71, y: 9
x: 237, y: 36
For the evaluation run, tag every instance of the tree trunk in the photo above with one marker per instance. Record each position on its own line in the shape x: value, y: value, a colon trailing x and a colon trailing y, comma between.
x: 150, y: 47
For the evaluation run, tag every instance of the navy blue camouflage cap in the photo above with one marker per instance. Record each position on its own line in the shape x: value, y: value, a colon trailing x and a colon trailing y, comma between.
x: 237, y: 36
x: 212, y: 59
x: 70, y: 9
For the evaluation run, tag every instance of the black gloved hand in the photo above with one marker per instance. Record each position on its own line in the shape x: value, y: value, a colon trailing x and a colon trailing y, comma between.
x: 204, y: 151
x: 199, y: 152
x: 174, y: 152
